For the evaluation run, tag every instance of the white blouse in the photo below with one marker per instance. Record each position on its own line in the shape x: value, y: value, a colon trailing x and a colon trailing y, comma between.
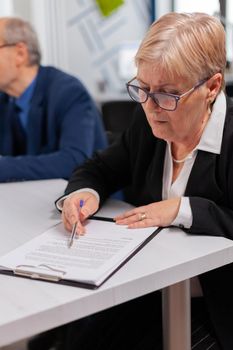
x: 211, y: 141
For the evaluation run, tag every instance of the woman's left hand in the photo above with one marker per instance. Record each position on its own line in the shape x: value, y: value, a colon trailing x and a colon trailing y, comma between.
x: 155, y: 214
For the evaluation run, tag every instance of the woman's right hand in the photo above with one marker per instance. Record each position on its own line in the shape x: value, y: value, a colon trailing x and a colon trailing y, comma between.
x: 72, y: 212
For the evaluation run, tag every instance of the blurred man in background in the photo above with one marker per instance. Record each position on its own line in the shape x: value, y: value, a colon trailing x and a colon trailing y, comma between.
x: 48, y: 121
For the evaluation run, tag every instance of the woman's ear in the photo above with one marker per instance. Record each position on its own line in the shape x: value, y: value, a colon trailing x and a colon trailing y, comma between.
x: 214, y: 85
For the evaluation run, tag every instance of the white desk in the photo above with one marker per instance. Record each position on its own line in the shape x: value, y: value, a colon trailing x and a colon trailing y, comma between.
x: 28, y: 307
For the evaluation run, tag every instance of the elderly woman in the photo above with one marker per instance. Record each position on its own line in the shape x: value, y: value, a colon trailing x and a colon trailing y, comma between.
x: 177, y: 156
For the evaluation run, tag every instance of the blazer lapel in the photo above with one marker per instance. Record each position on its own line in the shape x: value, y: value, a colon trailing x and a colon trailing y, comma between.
x: 36, y: 122
x: 202, y: 181
x: 6, y: 140
x: 154, y: 179
x: 35, y: 128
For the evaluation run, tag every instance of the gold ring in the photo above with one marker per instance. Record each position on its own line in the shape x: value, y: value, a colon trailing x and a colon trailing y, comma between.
x: 142, y: 216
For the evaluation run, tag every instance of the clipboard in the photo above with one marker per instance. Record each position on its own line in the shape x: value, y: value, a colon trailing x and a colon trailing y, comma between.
x: 48, y: 273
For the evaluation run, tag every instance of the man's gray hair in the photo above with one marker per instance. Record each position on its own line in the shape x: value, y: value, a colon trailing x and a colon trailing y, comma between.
x: 17, y: 30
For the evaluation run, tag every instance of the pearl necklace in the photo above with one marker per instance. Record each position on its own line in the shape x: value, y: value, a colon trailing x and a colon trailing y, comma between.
x: 178, y: 161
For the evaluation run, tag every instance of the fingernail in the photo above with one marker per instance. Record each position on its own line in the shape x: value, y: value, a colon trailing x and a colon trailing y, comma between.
x: 85, y: 212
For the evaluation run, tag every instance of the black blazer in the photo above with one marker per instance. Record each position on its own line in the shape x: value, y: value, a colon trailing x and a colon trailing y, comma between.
x: 137, y: 159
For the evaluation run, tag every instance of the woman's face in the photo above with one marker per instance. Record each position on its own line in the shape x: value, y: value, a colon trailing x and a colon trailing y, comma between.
x: 191, y: 112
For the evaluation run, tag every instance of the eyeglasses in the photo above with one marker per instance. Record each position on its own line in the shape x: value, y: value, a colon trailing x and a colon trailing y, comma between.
x: 163, y: 100
x: 6, y: 45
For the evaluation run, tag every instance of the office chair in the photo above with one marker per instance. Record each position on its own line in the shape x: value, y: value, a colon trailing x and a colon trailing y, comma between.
x: 117, y: 116
x: 229, y: 89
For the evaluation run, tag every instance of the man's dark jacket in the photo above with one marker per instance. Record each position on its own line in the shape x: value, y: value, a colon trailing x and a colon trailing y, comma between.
x: 64, y: 129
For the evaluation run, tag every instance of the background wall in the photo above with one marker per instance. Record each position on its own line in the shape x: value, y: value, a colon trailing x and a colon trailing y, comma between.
x: 76, y: 37
x: 97, y: 42
x: 101, y: 40
x: 6, y: 7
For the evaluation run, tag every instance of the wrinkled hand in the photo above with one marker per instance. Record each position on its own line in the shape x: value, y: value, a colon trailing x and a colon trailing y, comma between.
x: 71, y: 211
x: 155, y: 214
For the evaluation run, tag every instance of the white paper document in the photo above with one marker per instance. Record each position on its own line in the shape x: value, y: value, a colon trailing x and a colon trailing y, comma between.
x: 90, y: 260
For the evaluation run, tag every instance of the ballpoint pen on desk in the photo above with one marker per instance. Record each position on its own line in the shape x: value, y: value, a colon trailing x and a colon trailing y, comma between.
x: 73, y: 232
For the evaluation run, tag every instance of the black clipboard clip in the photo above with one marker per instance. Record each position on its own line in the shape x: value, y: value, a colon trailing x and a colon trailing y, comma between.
x: 42, y: 272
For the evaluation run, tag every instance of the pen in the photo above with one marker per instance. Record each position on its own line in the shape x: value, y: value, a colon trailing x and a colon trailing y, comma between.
x: 75, y: 227
x: 101, y: 218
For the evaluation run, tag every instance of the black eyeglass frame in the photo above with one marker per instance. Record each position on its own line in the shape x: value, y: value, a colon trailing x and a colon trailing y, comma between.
x: 151, y: 94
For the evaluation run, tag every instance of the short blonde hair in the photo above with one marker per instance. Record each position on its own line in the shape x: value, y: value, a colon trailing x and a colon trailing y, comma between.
x: 190, y: 45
